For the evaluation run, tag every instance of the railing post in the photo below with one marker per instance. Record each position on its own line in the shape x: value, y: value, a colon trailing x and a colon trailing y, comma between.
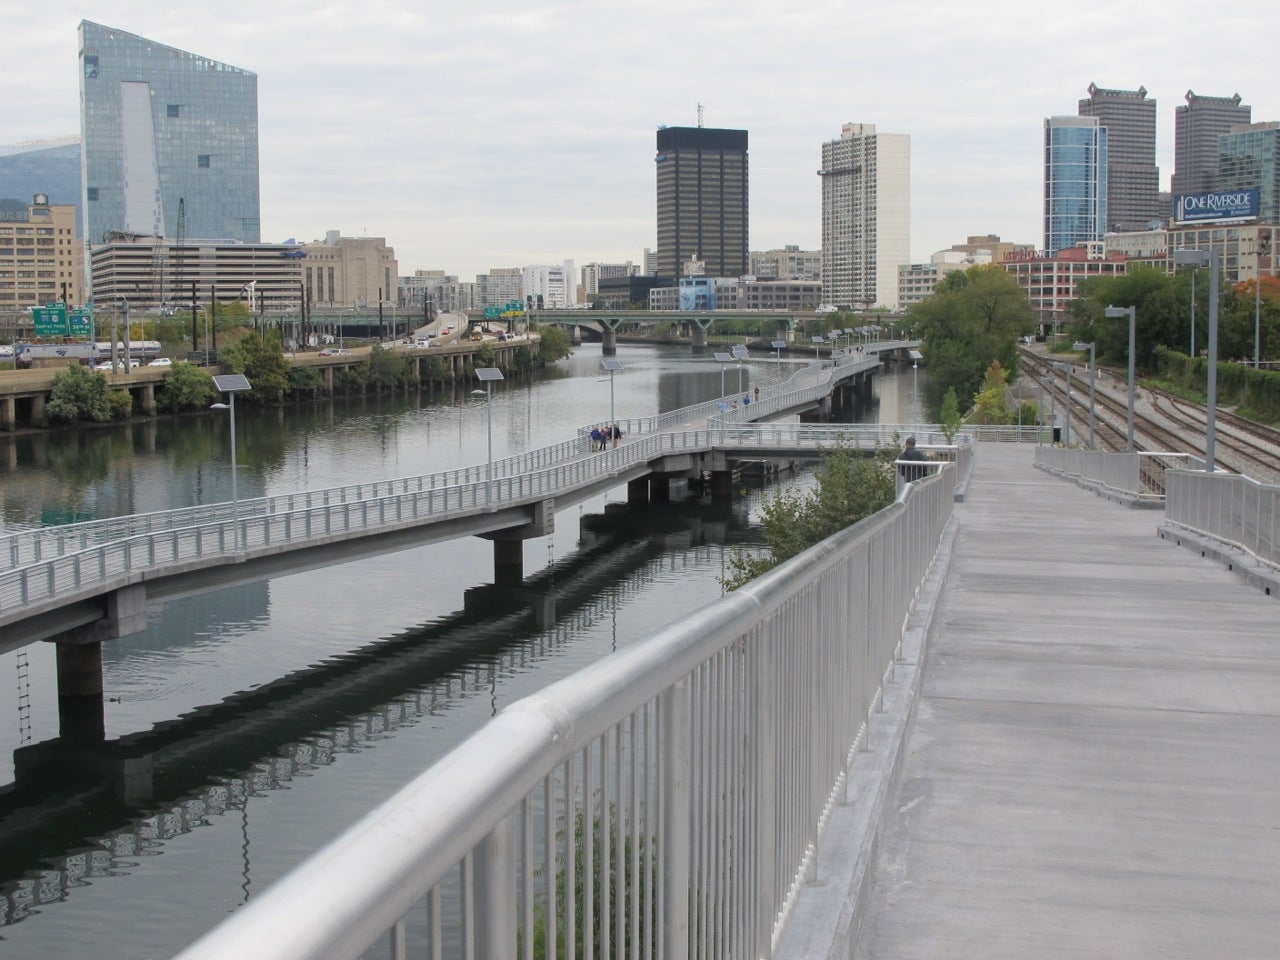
x: 673, y: 911
x: 495, y: 893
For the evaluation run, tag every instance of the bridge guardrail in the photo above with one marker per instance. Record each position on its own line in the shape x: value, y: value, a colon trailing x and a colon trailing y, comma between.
x: 23, y: 547
x: 665, y: 801
x: 313, y: 518
x: 1227, y: 507
x: 1138, y: 476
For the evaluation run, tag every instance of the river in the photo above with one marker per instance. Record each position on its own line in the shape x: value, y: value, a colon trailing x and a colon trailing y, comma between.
x: 249, y: 726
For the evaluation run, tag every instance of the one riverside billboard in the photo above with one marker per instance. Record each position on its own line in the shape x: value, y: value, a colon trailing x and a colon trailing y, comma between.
x: 1224, y: 205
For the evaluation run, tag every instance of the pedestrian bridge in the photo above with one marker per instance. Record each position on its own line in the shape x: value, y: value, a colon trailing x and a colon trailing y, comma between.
x: 1033, y: 720
x: 89, y: 582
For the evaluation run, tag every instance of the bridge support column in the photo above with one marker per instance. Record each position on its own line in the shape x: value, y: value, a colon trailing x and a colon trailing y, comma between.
x: 508, y: 562
x: 80, y: 713
x: 721, y: 483
x: 147, y: 399
x: 39, y: 416
x: 638, y: 490
x: 609, y: 337
x: 575, y: 335
x: 700, y: 333
x: 328, y: 379
x: 659, y: 489
x: 8, y: 414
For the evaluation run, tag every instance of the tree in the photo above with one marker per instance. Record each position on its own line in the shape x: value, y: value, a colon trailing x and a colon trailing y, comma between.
x: 949, y: 415
x: 261, y: 359
x: 553, y: 345
x: 849, y: 489
x: 188, y: 387
x: 989, y: 405
x: 79, y: 394
x: 973, y: 317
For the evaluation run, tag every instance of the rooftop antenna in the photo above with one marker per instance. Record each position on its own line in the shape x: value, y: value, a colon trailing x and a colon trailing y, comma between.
x: 699, y: 115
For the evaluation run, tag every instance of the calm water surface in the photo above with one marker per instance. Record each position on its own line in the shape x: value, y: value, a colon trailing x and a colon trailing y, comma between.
x: 249, y: 726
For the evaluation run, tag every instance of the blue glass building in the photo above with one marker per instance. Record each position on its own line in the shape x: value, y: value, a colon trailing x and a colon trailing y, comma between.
x: 158, y: 126
x: 1075, y: 181
x: 1249, y: 159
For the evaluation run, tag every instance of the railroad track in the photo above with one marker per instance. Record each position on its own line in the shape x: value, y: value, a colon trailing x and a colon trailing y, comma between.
x: 1162, y: 421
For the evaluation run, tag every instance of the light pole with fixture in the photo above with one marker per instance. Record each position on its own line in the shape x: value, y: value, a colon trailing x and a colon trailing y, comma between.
x: 777, y: 352
x: 723, y: 359
x: 611, y: 366
x: 740, y: 353
x: 1093, y: 378
x: 232, y: 383
x: 487, y: 376
x: 1132, y: 313
x: 1208, y: 258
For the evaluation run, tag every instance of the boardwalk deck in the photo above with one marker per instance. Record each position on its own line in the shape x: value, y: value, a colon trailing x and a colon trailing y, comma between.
x: 1093, y: 770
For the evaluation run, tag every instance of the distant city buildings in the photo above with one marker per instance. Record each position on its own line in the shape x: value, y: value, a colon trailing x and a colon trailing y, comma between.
x: 1249, y: 159
x: 787, y: 263
x: 1133, y: 179
x: 48, y: 167
x: 702, y: 209
x: 1075, y: 181
x: 350, y: 271
x: 866, y: 216
x: 1198, y: 128
x: 500, y: 284
x: 156, y: 274
x: 917, y: 280
x: 550, y: 287
x: 594, y: 273
x: 41, y: 257
x: 158, y: 126
x: 1050, y: 281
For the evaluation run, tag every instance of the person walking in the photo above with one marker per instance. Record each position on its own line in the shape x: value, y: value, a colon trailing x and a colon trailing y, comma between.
x: 616, y: 432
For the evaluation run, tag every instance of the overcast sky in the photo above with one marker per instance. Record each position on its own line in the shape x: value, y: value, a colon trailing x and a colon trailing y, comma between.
x: 486, y: 133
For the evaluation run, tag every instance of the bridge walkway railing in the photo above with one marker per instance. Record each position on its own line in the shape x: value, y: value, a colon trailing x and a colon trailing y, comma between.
x: 665, y: 801
x: 25, y: 547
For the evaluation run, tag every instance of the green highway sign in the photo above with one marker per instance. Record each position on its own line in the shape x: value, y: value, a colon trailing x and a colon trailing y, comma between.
x: 81, y: 323
x: 50, y: 320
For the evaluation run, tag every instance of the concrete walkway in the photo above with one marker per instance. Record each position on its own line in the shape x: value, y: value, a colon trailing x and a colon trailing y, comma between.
x: 1094, y: 766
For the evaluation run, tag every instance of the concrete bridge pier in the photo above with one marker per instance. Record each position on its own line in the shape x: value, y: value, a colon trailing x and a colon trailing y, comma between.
x: 638, y: 491
x: 721, y: 483
x: 609, y: 335
x: 700, y: 328
x: 508, y: 562
x: 8, y: 414
x: 659, y: 488
x: 39, y: 415
x: 575, y: 335
x: 80, y: 711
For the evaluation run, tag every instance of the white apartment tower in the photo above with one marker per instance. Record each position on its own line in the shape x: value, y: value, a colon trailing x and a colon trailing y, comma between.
x: 866, y: 216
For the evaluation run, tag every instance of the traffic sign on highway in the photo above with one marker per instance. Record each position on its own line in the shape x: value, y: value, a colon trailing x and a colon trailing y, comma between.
x: 80, y: 323
x: 50, y: 320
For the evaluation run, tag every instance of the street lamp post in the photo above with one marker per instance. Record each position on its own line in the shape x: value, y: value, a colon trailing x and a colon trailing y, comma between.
x: 1066, y: 432
x: 740, y: 353
x: 1208, y: 258
x: 1132, y: 314
x: 487, y: 376
x: 777, y: 352
x: 232, y: 384
x: 1093, y: 379
x: 611, y: 367
x: 723, y: 359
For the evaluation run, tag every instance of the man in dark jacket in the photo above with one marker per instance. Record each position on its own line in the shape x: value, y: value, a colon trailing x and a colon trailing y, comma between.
x: 909, y: 452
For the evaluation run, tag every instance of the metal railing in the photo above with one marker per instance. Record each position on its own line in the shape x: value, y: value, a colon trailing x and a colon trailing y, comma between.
x: 1140, y: 475
x: 663, y: 802
x: 24, y: 547
x: 308, y: 518
x: 1227, y: 507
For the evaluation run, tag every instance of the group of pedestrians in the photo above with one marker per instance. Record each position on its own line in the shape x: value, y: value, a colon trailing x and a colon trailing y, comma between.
x: 602, y: 437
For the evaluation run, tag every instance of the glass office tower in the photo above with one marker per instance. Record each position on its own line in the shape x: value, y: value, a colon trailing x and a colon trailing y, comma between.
x: 1075, y: 181
x: 159, y: 126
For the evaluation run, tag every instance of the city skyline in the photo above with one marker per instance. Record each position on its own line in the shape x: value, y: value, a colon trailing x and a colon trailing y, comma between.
x: 501, y: 136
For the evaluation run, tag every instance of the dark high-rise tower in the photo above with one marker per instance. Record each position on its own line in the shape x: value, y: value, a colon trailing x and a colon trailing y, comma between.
x: 1198, y: 126
x: 702, y: 200
x: 1133, y: 179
